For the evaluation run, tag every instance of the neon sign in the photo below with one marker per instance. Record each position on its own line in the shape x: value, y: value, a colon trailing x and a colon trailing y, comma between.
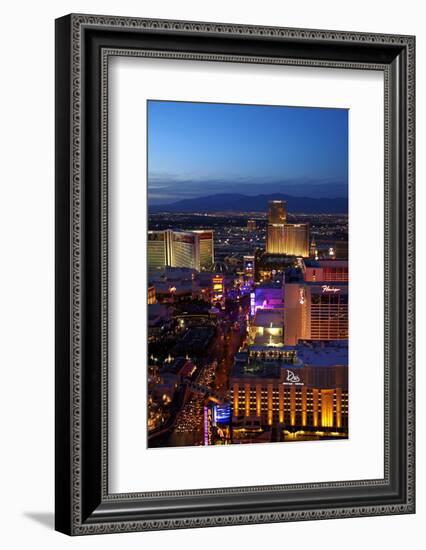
x: 252, y: 304
x: 328, y: 288
x: 207, y: 426
x: 218, y: 285
x: 222, y: 413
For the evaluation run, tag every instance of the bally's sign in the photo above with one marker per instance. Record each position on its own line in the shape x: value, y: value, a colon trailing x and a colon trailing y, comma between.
x: 292, y: 379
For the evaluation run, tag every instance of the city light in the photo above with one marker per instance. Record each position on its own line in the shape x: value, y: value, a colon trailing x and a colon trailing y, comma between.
x: 248, y: 318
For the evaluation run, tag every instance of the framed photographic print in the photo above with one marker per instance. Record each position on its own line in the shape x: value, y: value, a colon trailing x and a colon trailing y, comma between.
x: 234, y: 274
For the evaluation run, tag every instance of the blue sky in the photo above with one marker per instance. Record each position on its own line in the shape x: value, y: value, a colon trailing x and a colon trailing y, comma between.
x: 199, y: 149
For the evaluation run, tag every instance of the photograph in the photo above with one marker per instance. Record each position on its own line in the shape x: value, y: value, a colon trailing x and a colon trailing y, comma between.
x: 215, y: 185
x: 247, y: 274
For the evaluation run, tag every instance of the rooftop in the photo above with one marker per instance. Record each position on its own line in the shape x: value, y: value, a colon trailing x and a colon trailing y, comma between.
x: 269, y: 318
x: 269, y: 284
x: 325, y: 263
x: 180, y: 365
x: 195, y: 340
x: 243, y: 367
x: 323, y: 354
x: 269, y: 361
x: 157, y: 313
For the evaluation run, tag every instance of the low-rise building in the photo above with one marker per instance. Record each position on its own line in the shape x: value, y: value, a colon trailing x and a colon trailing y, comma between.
x: 267, y: 327
x: 302, y: 387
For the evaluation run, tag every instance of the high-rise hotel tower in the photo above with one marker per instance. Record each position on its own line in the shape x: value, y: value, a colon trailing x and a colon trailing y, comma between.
x: 193, y: 249
x: 206, y: 244
x: 291, y: 239
x: 277, y: 212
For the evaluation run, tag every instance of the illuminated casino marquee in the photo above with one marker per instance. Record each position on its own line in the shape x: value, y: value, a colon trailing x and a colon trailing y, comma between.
x: 207, y: 425
x: 222, y: 413
x: 218, y: 285
x: 252, y: 304
x: 218, y: 289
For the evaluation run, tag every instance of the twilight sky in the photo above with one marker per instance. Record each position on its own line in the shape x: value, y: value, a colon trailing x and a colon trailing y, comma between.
x: 199, y: 149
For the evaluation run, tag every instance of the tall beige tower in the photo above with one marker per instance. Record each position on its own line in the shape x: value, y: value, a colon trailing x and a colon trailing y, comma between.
x: 290, y: 239
x: 277, y: 212
x: 277, y: 216
x: 296, y: 239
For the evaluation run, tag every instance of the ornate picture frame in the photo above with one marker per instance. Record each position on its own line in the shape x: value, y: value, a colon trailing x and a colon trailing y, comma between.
x: 84, y: 44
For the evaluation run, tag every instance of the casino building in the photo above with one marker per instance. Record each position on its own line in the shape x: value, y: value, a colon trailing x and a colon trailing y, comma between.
x: 285, y: 238
x: 206, y: 247
x: 192, y: 249
x: 293, y: 389
x: 316, y: 305
x: 296, y: 239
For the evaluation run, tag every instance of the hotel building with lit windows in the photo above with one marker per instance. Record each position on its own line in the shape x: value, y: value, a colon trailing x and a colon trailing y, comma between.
x: 325, y: 270
x: 152, y: 299
x: 300, y: 388
x: 285, y: 238
x: 316, y: 305
x: 277, y: 214
x: 191, y: 249
x: 206, y: 247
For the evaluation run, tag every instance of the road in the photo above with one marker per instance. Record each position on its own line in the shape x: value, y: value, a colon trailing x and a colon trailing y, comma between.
x: 213, y: 371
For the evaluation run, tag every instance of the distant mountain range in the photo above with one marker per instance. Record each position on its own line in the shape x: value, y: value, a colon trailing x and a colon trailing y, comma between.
x: 243, y: 203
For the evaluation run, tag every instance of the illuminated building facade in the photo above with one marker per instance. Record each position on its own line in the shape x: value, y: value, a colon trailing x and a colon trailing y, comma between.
x: 151, y: 295
x: 285, y: 238
x: 277, y: 214
x: 218, y: 289
x: 327, y: 312
x: 206, y: 240
x: 278, y: 387
x: 251, y: 225
x: 296, y: 239
x: 216, y: 422
x: 269, y: 295
x: 316, y: 312
x: 159, y: 249
x: 248, y: 266
x: 185, y: 250
x: 275, y: 239
x: 191, y: 249
x: 316, y: 307
x: 325, y: 271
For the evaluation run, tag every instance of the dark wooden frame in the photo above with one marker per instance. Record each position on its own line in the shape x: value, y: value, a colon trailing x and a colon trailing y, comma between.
x: 83, y: 46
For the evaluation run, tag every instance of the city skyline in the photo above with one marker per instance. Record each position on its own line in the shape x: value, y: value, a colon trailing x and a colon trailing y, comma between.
x: 248, y: 309
x: 251, y: 347
x: 200, y: 149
